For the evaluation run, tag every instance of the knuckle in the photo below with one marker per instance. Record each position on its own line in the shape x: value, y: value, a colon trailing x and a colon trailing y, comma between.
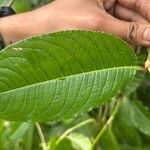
x: 147, y: 10
x: 132, y: 32
x: 137, y: 4
x: 134, y: 17
x: 142, y: 6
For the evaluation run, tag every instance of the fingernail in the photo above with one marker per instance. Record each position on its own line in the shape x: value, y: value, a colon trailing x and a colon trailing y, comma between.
x: 146, y: 34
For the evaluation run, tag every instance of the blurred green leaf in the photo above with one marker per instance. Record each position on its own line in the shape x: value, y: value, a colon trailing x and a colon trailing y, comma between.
x: 39, y: 3
x: 63, y: 145
x: 140, y: 117
x: 134, y: 84
x: 1, y: 126
x: 109, y: 141
x: 80, y: 141
x: 21, y: 6
x: 128, y: 147
x: 143, y: 92
x: 4, y: 2
x: 18, y: 5
x: 17, y: 136
x: 123, y: 127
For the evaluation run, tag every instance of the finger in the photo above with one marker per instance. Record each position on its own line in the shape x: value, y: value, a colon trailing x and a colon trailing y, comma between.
x: 108, y: 4
x: 140, y: 6
x: 128, y: 15
x: 132, y: 32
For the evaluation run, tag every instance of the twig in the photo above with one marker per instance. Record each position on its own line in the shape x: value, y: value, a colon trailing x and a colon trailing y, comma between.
x: 109, y: 121
x: 139, y: 49
x: 100, y: 113
x: 66, y: 133
x: 147, y: 63
x: 142, y: 69
x: 103, y: 120
x: 42, y: 138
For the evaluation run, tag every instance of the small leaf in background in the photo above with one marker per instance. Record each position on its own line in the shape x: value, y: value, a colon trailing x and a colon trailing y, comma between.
x: 133, y: 85
x: 128, y: 147
x: 123, y: 128
x: 21, y: 6
x: 18, y: 5
x: 109, y: 141
x: 39, y: 3
x: 4, y: 2
x: 143, y: 92
x: 17, y: 136
x: 140, y: 117
x: 63, y: 145
x: 1, y: 125
x: 80, y: 141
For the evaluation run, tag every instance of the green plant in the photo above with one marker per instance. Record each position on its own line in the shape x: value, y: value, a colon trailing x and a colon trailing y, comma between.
x: 87, y: 89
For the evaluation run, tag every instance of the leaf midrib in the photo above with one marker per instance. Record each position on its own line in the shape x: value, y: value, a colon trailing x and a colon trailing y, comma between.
x: 43, y: 82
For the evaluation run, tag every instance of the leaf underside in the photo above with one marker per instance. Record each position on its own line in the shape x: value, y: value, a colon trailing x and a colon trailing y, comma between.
x: 59, y: 75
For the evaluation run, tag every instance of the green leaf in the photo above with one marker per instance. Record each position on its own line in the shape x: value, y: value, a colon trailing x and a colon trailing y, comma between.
x: 128, y: 147
x: 21, y: 6
x: 63, y: 145
x: 4, y: 2
x: 122, y: 122
x: 1, y: 125
x: 140, y: 117
x: 17, y: 136
x: 39, y: 3
x: 61, y: 75
x: 143, y: 92
x: 18, y: 5
x: 134, y: 84
x: 80, y: 141
x: 109, y: 141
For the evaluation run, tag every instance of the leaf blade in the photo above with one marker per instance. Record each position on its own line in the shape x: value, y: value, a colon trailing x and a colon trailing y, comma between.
x: 140, y: 117
x: 52, y: 77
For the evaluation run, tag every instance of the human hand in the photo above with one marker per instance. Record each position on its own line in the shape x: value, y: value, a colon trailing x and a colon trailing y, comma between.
x: 127, y: 19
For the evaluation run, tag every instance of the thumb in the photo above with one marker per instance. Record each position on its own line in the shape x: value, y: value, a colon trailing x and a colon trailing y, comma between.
x: 132, y: 32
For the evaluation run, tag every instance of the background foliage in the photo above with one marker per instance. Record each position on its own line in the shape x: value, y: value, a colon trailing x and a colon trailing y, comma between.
x: 128, y: 130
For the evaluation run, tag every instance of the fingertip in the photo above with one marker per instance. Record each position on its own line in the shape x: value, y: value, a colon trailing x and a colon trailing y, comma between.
x: 139, y: 34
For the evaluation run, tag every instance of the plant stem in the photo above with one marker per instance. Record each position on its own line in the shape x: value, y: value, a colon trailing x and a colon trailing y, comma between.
x: 142, y: 69
x: 109, y: 121
x: 106, y: 109
x: 67, y: 132
x: 139, y: 49
x: 100, y: 113
x: 10, y: 3
x: 147, y: 63
x: 42, y: 138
